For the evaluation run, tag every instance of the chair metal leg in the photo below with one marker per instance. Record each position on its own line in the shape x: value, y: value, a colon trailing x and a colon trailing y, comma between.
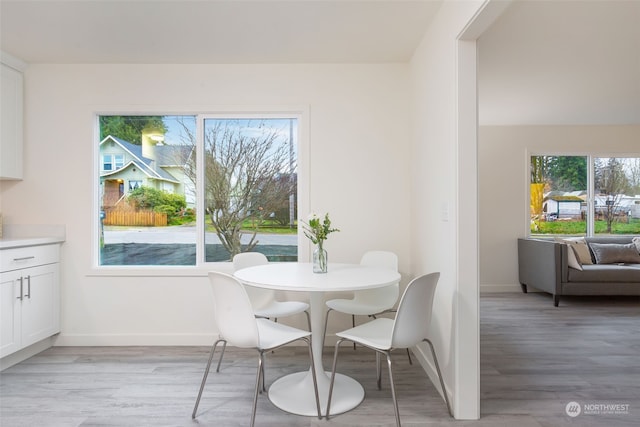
x: 353, y: 324
x: 378, y: 371
x: 309, y: 320
x: 313, y: 375
x: 409, y: 356
x: 264, y: 386
x: 393, y: 388
x: 444, y: 390
x: 255, y: 394
x: 224, y: 347
x: 333, y: 376
x: 326, y: 322
x: 204, y: 378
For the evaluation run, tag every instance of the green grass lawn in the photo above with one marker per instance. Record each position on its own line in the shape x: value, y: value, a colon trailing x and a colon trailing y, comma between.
x: 580, y: 227
x: 269, y: 227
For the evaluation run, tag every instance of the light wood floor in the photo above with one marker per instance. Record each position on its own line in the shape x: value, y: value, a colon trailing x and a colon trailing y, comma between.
x: 535, y: 359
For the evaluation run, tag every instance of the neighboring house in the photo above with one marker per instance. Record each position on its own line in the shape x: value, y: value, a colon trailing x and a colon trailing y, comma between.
x: 125, y: 167
x: 631, y: 204
x: 562, y: 206
x: 622, y: 205
x: 635, y: 208
x: 572, y: 205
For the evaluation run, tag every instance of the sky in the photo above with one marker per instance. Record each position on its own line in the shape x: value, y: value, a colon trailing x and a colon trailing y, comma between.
x: 176, y: 132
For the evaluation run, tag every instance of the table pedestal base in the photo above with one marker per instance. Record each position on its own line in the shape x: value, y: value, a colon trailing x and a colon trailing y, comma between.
x: 294, y: 393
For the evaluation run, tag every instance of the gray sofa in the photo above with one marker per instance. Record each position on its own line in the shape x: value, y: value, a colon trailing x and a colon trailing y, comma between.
x: 544, y: 265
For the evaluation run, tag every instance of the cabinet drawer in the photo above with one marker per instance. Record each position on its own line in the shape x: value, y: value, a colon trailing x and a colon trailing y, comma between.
x: 30, y: 256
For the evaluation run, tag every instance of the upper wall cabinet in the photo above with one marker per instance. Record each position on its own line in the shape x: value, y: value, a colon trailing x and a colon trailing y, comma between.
x: 11, y: 117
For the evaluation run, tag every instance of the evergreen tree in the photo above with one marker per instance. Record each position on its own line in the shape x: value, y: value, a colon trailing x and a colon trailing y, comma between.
x: 568, y: 173
x: 131, y: 128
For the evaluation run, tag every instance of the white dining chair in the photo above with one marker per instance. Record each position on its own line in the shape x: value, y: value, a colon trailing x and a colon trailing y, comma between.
x: 370, y: 302
x: 239, y: 327
x: 409, y: 328
x: 263, y: 301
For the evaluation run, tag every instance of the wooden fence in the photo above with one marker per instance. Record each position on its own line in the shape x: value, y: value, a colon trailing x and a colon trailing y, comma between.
x: 135, y: 218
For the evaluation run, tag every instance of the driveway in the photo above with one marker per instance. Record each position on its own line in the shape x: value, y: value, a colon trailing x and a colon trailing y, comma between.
x: 182, y: 235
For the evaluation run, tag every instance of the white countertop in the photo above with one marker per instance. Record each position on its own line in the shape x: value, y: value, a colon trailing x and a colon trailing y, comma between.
x: 9, y: 243
x: 18, y: 236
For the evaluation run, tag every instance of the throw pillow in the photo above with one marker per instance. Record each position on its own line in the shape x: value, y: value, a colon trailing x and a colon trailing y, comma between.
x: 636, y: 241
x: 579, y: 244
x: 572, y: 258
x: 612, y: 253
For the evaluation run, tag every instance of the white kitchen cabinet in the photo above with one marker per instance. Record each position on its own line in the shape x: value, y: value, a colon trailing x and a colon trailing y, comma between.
x: 11, y: 118
x: 29, y: 296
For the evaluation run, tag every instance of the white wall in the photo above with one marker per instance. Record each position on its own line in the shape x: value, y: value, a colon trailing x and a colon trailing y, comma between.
x: 503, y: 155
x: 437, y: 244
x: 561, y: 63
x: 359, y: 150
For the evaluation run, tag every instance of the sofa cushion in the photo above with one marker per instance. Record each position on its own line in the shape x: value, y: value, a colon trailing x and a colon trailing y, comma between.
x: 579, y: 244
x: 572, y: 258
x: 609, y: 238
x: 606, y: 273
x: 613, y: 253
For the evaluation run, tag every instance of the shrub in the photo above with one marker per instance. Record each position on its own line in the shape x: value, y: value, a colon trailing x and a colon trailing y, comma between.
x: 158, y: 201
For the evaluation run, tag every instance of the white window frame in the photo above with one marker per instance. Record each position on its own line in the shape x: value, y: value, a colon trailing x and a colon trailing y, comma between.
x: 301, y: 113
x: 138, y: 181
x: 113, y: 161
x: 118, y: 161
x: 591, y: 156
x: 105, y: 162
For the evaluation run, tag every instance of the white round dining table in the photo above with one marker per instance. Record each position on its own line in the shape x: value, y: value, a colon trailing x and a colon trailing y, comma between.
x: 294, y: 392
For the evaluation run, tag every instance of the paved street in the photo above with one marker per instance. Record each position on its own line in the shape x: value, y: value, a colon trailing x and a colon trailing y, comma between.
x: 182, y: 234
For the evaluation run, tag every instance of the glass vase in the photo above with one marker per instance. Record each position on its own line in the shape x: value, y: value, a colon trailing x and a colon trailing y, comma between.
x: 320, y: 260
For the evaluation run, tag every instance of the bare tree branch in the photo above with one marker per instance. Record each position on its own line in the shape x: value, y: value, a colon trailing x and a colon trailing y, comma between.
x: 238, y: 169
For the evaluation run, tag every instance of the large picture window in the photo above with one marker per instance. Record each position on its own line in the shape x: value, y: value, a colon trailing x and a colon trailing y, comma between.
x: 584, y: 195
x: 192, y: 189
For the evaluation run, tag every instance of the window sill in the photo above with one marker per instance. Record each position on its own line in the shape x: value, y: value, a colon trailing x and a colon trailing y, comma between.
x: 160, y: 270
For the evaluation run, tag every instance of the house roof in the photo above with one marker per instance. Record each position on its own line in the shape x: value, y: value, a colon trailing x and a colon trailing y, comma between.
x: 145, y: 164
x: 173, y: 155
x: 567, y: 198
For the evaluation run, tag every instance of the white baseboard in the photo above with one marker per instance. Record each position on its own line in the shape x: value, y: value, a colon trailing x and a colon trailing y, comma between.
x: 505, y: 288
x: 500, y: 288
x: 96, y: 340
